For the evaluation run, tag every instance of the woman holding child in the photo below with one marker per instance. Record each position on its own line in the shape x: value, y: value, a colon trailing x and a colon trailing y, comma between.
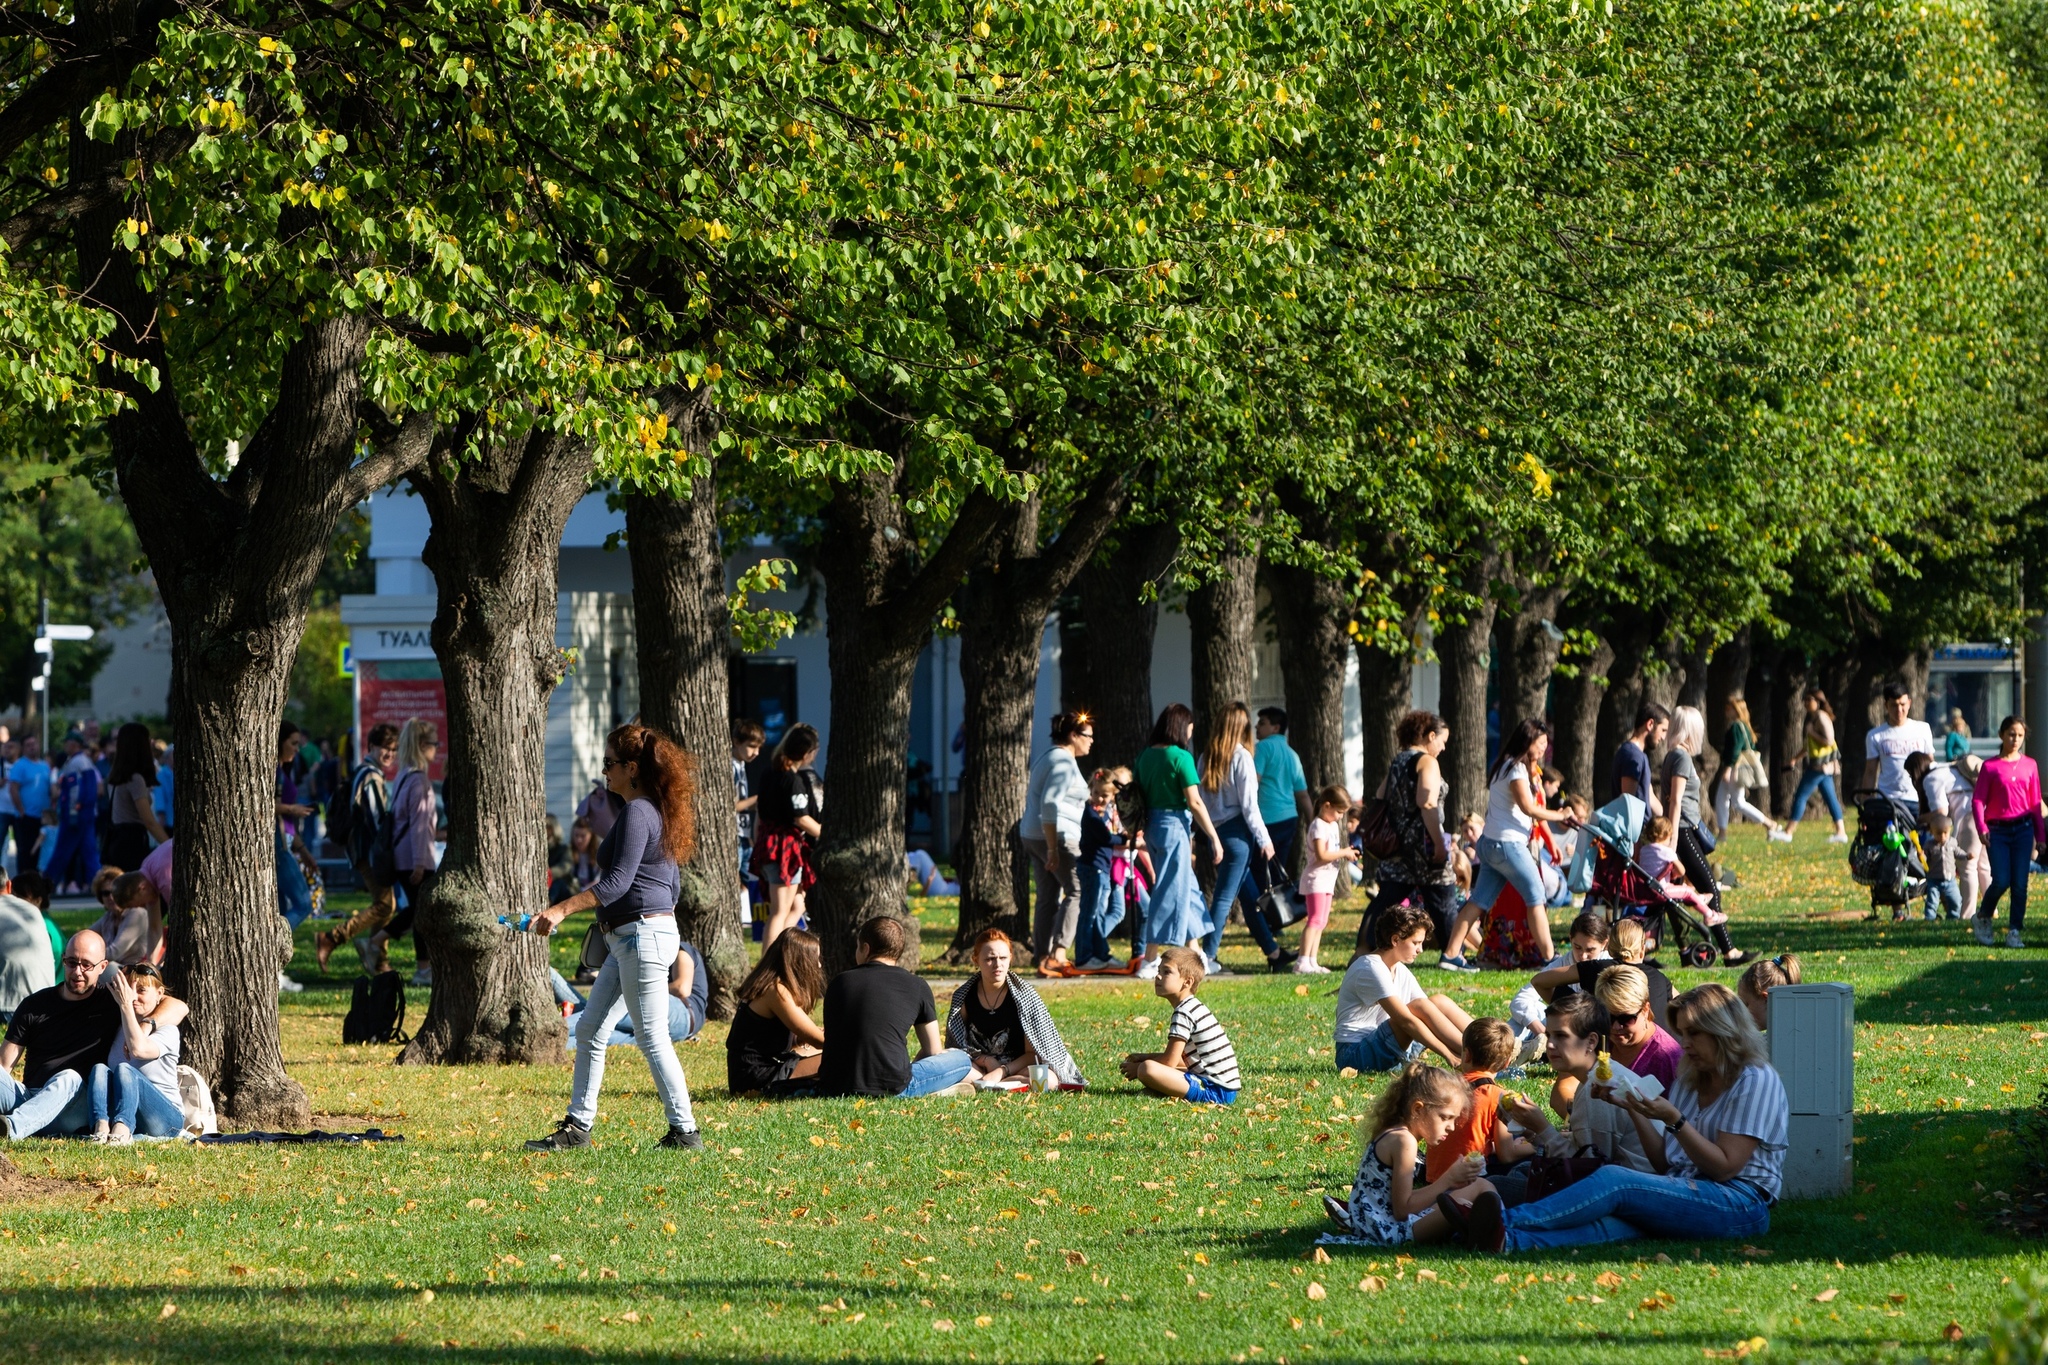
x: 1001, y: 1022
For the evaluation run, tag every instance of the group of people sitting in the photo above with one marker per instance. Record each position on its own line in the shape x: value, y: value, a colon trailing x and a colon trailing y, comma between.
x: 99, y: 1052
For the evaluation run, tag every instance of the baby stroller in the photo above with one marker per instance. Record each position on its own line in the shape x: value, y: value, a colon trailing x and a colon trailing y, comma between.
x: 1885, y: 855
x: 1621, y: 885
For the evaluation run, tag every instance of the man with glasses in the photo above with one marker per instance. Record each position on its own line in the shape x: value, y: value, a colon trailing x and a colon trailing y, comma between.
x: 66, y: 1031
x: 369, y: 792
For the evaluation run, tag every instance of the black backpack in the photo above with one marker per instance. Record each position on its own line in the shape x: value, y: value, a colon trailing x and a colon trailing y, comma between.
x: 377, y: 1013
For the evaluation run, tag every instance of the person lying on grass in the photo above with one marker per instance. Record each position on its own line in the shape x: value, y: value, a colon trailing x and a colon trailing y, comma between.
x: 774, y: 1046
x: 1384, y: 1017
x: 1390, y: 1202
x: 1633, y: 1035
x: 1199, y: 1064
x: 1574, y: 1032
x: 1000, y: 1021
x: 1717, y: 1160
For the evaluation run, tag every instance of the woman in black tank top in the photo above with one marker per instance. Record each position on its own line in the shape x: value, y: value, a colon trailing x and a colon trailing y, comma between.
x: 774, y: 1044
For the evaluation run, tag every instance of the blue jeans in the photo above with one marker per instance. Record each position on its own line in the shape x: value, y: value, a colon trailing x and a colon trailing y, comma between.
x: 632, y: 983
x: 683, y: 1022
x: 1507, y: 862
x: 294, y: 897
x: 2010, y: 846
x: 1175, y: 915
x: 1101, y: 912
x: 1809, y: 783
x: 1948, y: 894
x: 940, y: 1071
x: 1230, y: 873
x: 1615, y: 1204
x: 62, y: 1105
x: 122, y: 1094
x: 1380, y: 1050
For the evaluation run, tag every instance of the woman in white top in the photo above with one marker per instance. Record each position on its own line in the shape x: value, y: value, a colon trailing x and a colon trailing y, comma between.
x: 1230, y: 790
x: 1717, y: 1160
x: 1512, y: 810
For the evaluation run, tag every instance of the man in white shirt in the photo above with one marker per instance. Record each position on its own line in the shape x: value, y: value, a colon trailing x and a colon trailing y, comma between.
x: 1050, y: 829
x: 1886, y: 749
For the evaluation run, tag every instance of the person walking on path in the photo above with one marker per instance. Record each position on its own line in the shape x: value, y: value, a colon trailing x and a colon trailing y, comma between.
x: 635, y: 900
x: 413, y: 818
x: 1819, y: 766
x: 1284, y: 803
x: 1682, y: 804
x: 369, y: 794
x: 1512, y: 811
x: 2008, y: 817
x: 1230, y: 791
x: 788, y: 815
x: 1165, y: 773
x: 1742, y: 770
x: 1414, y: 790
x: 1050, y: 829
x: 1887, y: 747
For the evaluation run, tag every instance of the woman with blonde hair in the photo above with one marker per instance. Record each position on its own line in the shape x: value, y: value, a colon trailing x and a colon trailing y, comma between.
x: 1716, y: 1143
x: 1819, y: 766
x: 1681, y: 778
x: 1230, y: 792
x: 635, y: 900
x: 1742, y: 771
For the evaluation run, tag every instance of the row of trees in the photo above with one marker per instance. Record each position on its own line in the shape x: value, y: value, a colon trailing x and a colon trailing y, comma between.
x: 1618, y: 334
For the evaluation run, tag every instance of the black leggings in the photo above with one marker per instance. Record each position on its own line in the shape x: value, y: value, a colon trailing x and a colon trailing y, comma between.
x: 1692, y: 856
x: 1440, y: 899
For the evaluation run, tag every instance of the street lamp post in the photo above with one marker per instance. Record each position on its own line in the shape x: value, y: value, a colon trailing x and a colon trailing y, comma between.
x: 46, y: 645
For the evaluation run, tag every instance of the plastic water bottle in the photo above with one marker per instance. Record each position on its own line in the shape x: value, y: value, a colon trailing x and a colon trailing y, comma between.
x: 517, y: 926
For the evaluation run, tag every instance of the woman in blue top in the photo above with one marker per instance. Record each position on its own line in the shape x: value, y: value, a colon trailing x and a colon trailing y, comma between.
x: 635, y: 900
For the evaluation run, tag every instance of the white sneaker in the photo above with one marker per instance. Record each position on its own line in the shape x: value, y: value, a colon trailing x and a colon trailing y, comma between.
x: 1214, y: 968
x: 1986, y: 935
x: 1148, y: 970
x: 286, y: 985
x: 1838, y: 838
x: 2012, y: 939
x: 1303, y: 967
x: 1779, y: 836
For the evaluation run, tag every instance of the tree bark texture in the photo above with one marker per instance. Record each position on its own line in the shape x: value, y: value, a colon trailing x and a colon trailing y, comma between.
x: 1575, y: 721
x: 1002, y: 607
x: 1528, y: 650
x: 1120, y: 605
x: 1618, y: 706
x: 495, y: 542
x: 1465, y: 650
x: 1664, y: 674
x: 1222, y: 620
x: 682, y: 626
x: 880, y: 601
x: 1721, y: 681
x: 234, y: 559
x: 1385, y: 683
x: 1077, y: 658
x: 1789, y: 680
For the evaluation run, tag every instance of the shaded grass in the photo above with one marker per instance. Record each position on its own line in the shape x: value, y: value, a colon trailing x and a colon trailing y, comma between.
x: 1078, y: 1225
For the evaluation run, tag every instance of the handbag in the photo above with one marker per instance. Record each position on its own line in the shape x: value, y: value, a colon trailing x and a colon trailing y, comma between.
x: 1278, y: 903
x: 1376, y: 832
x: 1549, y: 1174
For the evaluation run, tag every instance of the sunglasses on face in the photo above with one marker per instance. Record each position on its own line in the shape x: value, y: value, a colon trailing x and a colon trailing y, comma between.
x: 79, y: 964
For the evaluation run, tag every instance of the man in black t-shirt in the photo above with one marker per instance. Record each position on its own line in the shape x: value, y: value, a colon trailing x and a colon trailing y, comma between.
x: 1632, y: 758
x: 868, y: 1013
x: 65, y: 1031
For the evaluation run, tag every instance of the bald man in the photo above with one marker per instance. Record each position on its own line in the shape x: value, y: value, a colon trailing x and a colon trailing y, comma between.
x: 65, y: 1031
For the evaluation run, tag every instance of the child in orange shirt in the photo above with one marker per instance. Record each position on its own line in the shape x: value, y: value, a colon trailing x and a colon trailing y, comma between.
x: 1489, y: 1046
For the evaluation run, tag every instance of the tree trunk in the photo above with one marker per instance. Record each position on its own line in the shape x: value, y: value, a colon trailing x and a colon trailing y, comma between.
x: 1222, y: 617
x: 682, y: 629
x: 1529, y: 645
x: 1466, y: 652
x: 1385, y: 682
x: 1002, y: 607
x: 1119, y: 602
x: 494, y: 547
x: 1618, y: 707
x: 1310, y: 613
x: 879, y: 606
x: 1664, y: 674
x: 1575, y: 722
x: 1077, y: 670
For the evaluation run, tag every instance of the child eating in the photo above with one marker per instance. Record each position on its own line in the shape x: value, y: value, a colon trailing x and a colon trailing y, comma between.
x: 1328, y: 851
x: 1489, y: 1046
x: 1392, y: 1200
x: 1199, y: 1064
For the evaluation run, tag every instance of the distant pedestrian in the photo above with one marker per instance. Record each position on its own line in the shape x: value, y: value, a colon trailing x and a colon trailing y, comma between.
x: 788, y: 825
x: 1414, y: 790
x: 1050, y: 830
x: 28, y: 789
x: 1886, y: 748
x: 2009, y: 820
x: 414, y: 814
x: 1176, y: 916
x: 1682, y: 806
x: 75, y: 861
x: 1632, y: 757
x: 1742, y: 771
x: 368, y: 795
x: 133, y: 777
x: 1230, y: 791
x: 1820, y: 765
x: 1956, y: 742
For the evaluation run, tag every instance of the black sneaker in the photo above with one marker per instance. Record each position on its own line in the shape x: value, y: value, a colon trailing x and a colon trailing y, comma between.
x: 682, y: 1139
x: 1283, y: 961
x: 568, y: 1134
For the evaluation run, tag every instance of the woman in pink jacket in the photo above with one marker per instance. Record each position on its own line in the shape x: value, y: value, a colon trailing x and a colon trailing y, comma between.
x: 2008, y: 812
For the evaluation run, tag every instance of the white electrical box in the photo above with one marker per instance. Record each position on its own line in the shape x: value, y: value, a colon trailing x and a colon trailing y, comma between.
x: 1813, y: 1045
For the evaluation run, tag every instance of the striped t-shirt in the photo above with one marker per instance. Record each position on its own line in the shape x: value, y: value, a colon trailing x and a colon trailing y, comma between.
x: 1209, y: 1052
x: 1755, y: 1106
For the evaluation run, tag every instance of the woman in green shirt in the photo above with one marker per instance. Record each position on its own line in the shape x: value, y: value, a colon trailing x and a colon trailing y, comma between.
x: 1165, y: 772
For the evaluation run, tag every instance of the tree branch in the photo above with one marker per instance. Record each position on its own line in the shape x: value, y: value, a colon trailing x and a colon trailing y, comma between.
x: 400, y: 450
x: 83, y: 196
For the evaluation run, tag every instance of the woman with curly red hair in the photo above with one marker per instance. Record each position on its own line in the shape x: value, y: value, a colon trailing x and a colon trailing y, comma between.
x: 635, y: 900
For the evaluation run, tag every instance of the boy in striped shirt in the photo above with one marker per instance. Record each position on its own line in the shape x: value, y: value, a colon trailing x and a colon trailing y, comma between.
x: 1199, y: 1064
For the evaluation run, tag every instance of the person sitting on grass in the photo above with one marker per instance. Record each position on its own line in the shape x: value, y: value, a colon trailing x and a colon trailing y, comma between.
x: 65, y: 1032
x: 1626, y: 940
x: 135, y: 1091
x: 1765, y: 975
x: 132, y: 932
x: 38, y: 890
x: 1392, y: 1200
x: 1384, y: 1017
x: 1716, y: 1160
x: 1574, y: 1033
x: 27, y: 964
x: 689, y: 989
x: 1199, y: 1064
x: 1001, y: 1022
x: 774, y: 1046
x: 1489, y: 1046
x: 1587, y: 947
x: 1633, y: 1034
x: 868, y: 1012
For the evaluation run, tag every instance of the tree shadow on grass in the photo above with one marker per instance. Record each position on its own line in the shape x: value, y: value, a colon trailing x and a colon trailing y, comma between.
x: 2008, y: 989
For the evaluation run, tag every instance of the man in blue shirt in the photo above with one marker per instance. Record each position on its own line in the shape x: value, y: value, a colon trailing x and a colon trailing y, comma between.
x: 1283, y: 787
x: 28, y: 790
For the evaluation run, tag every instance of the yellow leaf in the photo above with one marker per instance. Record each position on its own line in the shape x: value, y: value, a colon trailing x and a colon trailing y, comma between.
x: 984, y: 1321
x: 1607, y: 1279
x: 942, y: 1324
x: 1320, y: 1256
x: 170, y: 1310
x: 1316, y: 1292
x: 1372, y: 1284
x: 1826, y: 1295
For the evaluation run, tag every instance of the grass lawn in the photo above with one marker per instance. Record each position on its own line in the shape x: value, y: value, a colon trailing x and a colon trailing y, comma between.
x: 1106, y: 1226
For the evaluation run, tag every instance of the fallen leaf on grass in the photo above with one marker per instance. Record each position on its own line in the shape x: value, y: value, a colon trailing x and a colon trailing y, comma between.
x: 1422, y: 1275
x: 629, y: 1317
x: 1826, y: 1295
x: 1606, y: 1279
x: 984, y: 1321
x: 426, y: 1296
x: 170, y: 1311
x: 1316, y: 1292
x: 942, y: 1324
x: 1320, y: 1256
x: 1503, y: 1278
x: 1372, y: 1284
x: 1301, y: 989
x: 1954, y: 1330
x: 1896, y: 1298
x: 1741, y: 1350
